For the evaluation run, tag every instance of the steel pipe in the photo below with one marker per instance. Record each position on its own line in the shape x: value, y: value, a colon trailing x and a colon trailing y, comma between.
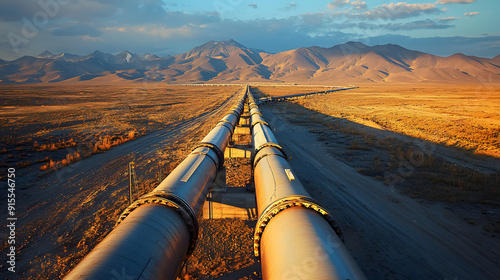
x: 155, y: 234
x: 295, y: 237
x: 300, y: 244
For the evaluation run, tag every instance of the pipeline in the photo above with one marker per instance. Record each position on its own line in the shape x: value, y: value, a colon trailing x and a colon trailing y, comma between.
x: 295, y: 237
x: 296, y: 96
x: 156, y: 233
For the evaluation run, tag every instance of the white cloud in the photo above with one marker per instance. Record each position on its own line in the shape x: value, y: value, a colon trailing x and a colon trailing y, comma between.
x: 399, y: 10
x: 456, y: 1
x: 414, y: 25
x: 356, y: 4
x: 144, y: 28
x: 337, y: 4
x: 471, y: 14
x: 359, y: 5
x: 448, y: 18
x: 393, y: 11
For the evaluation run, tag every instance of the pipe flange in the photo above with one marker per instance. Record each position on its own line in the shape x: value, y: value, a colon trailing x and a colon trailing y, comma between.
x: 256, y: 113
x: 223, y: 123
x: 207, y: 155
x: 262, y: 122
x: 169, y: 200
x: 234, y: 112
x: 216, y: 149
x: 280, y: 205
x: 269, y: 144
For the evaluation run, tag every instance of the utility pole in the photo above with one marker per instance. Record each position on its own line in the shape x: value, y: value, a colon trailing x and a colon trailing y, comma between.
x: 131, y: 180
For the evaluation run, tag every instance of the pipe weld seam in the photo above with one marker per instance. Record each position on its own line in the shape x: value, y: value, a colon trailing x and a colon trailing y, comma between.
x: 216, y: 149
x: 288, y: 202
x: 262, y: 122
x: 265, y: 155
x: 174, y: 202
x: 207, y: 155
x: 256, y: 159
x: 235, y: 112
x: 223, y: 123
x: 256, y: 113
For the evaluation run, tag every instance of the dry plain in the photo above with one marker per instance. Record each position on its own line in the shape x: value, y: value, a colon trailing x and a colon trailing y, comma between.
x: 411, y: 173
x: 432, y: 147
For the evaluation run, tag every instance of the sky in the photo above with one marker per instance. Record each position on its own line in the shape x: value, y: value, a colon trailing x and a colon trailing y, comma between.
x: 439, y: 27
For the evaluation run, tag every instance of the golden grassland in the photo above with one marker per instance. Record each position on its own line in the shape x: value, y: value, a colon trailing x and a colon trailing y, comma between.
x: 465, y: 119
x: 464, y: 116
x: 224, y: 246
x: 53, y: 126
x: 45, y: 124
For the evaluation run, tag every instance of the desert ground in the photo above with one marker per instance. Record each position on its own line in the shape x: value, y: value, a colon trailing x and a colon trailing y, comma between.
x: 411, y: 172
x: 434, y: 206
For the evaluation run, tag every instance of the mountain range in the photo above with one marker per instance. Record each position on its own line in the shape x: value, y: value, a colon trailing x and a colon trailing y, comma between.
x: 229, y: 61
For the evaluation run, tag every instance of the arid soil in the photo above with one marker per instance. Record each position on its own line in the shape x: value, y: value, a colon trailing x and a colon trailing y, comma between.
x: 48, y: 127
x: 224, y: 251
x: 411, y: 206
x: 63, y: 214
x: 391, y: 235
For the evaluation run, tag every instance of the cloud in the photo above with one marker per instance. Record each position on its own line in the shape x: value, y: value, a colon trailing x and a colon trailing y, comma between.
x: 448, y: 18
x: 253, y: 5
x: 414, y: 25
x: 399, y: 10
x: 402, y: 26
x: 471, y: 14
x: 85, y: 11
x: 456, y: 1
x: 77, y: 30
x: 337, y: 4
x: 356, y: 4
x: 393, y: 11
x: 483, y: 46
x: 146, y: 26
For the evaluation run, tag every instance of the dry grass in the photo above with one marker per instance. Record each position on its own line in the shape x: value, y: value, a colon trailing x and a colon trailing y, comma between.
x: 466, y: 117
x: 365, y: 121
x: 52, y: 126
x: 223, y: 246
x: 55, y: 236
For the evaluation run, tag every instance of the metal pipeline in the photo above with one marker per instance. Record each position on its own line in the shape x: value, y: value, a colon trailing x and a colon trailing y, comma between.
x: 155, y: 234
x: 295, y: 237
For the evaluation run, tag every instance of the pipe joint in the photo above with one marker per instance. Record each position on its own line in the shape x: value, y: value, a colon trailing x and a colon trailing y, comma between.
x: 217, y: 150
x: 226, y: 124
x: 169, y: 200
x: 280, y: 152
x: 284, y: 203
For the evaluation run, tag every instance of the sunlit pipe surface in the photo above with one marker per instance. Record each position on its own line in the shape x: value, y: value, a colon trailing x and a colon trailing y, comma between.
x: 295, y: 237
x: 154, y: 235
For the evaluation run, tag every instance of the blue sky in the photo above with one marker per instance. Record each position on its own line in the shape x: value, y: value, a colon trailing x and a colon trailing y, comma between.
x: 440, y: 27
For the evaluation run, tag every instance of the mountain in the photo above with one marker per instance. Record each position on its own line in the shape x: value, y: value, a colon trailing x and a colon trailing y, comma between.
x: 67, y: 57
x: 46, y: 54
x: 230, y: 61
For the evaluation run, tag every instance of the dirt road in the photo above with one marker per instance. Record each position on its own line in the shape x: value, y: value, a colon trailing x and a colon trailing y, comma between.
x: 63, y: 215
x: 390, y: 235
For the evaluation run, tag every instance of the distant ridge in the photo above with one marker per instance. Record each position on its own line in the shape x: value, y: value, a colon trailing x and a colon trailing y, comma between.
x: 46, y: 54
x: 230, y: 61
